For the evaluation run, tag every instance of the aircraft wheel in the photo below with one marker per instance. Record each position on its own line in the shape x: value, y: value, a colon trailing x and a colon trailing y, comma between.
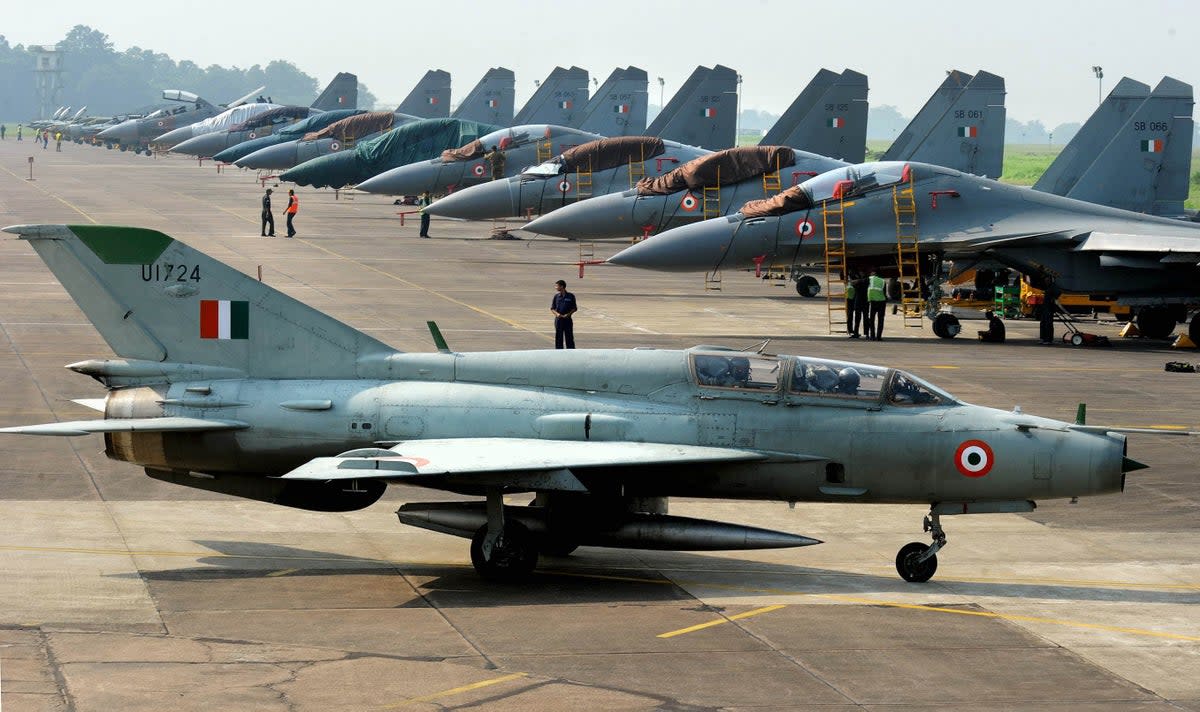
x: 1194, y: 329
x: 122, y: 148
x: 512, y: 559
x: 808, y: 286
x: 946, y: 326
x: 909, y: 568
x: 1155, y: 322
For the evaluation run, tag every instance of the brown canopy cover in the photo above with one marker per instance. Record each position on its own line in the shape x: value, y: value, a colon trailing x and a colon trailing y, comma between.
x: 723, y: 167
x: 473, y: 149
x: 788, y: 201
x: 612, y: 152
x: 355, y: 126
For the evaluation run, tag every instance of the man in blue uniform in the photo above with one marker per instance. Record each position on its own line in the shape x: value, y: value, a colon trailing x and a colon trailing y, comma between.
x: 562, y: 306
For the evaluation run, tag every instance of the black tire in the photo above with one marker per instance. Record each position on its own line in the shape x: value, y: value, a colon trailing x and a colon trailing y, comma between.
x: 909, y: 569
x: 1155, y: 322
x: 808, y: 286
x: 946, y: 326
x: 512, y: 562
x: 1194, y: 329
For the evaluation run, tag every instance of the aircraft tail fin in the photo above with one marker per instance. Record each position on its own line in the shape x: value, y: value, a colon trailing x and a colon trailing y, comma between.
x: 430, y: 98
x: 703, y: 112
x: 800, y: 107
x: 342, y: 93
x: 559, y: 100
x: 155, y: 299
x: 836, y: 126
x: 1146, y: 166
x: 492, y: 99
x: 1096, y: 133
x: 969, y: 135
x: 618, y: 107
x: 935, y: 107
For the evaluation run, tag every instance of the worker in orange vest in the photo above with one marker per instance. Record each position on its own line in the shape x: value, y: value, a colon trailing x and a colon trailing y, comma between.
x: 293, y: 207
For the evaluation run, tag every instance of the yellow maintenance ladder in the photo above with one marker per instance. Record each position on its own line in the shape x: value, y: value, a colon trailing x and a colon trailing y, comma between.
x: 711, y: 202
x: 545, y: 151
x: 833, y: 216
x: 637, y: 169
x: 908, y: 255
x: 583, y: 181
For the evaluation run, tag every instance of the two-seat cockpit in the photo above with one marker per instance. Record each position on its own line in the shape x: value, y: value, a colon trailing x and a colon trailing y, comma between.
x: 804, y: 377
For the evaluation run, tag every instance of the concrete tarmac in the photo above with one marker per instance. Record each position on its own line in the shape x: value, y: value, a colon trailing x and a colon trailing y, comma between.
x: 121, y: 592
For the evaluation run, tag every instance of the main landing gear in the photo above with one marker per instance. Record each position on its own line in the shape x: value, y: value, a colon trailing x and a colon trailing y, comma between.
x: 917, y: 562
x: 502, y: 550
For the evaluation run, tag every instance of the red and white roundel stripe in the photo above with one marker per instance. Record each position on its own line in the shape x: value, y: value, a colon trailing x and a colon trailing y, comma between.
x: 689, y: 203
x: 335, y: 146
x: 160, y: 123
x: 478, y: 170
x: 974, y: 458
x: 564, y: 186
x: 804, y: 228
x: 253, y: 135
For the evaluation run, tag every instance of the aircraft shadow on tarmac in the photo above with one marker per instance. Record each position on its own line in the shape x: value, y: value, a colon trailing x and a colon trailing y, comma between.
x: 592, y: 575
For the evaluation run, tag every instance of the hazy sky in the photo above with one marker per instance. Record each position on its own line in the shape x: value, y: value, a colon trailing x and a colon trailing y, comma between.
x: 1045, y: 50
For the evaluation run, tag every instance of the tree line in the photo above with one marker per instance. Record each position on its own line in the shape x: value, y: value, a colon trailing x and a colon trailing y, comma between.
x: 109, y: 82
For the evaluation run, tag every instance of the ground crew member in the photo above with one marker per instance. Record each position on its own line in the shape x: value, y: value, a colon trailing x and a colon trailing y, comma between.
x: 851, y: 325
x: 423, y: 201
x: 496, y: 158
x: 293, y: 207
x: 19, y: 127
x: 877, y: 296
x: 862, y: 325
x: 1049, y: 305
x: 3, y: 129
x: 562, y: 306
x: 58, y: 141
x: 45, y: 139
x: 995, y: 330
x: 268, y: 218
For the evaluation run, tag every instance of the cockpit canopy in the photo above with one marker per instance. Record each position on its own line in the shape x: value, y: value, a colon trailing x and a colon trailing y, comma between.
x: 179, y: 95
x: 801, y: 376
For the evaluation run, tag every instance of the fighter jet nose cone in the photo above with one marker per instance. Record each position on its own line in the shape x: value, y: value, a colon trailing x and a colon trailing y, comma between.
x: 595, y: 218
x: 480, y: 202
x: 700, y: 246
x: 174, y: 136
x: 198, y: 146
x: 386, y: 183
x: 272, y: 157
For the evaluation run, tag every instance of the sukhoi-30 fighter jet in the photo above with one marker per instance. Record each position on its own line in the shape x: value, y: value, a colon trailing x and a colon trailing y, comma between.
x: 138, y: 133
x: 224, y: 384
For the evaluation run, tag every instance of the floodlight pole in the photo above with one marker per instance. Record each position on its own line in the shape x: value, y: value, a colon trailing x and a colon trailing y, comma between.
x: 1099, y: 72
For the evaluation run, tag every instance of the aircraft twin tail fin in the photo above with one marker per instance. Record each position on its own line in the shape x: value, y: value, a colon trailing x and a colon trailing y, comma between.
x: 342, y: 93
x: 965, y: 133
x: 559, y: 100
x: 430, y: 98
x: 155, y: 299
x: 492, y: 99
x: 1146, y: 165
x: 703, y: 112
x: 830, y: 123
x: 618, y: 108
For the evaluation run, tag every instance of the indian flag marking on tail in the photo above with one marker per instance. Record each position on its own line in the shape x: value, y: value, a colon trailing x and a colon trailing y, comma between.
x: 223, y: 319
x: 709, y: 112
x: 341, y: 100
x: 621, y: 108
x: 968, y: 131
x: 564, y: 105
x: 1151, y: 145
x: 432, y: 100
x: 493, y: 103
x: 836, y: 122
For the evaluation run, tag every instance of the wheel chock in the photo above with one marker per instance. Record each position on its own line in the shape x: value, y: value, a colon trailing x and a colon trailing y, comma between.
x: 1130, y: 331
x: 1183, y: 342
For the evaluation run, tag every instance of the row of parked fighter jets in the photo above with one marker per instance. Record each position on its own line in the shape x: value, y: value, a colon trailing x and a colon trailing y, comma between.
x: 1105, y: 218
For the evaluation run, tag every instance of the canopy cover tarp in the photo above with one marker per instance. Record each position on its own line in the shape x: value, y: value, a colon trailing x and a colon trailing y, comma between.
x: 269, y: 117
x: 231, y: 117
x: 372, y: 122
x: 474, y: 149
x: 789, y: 201
x: 721, y: 168
x: 417, y: 141
x: 611, y: 153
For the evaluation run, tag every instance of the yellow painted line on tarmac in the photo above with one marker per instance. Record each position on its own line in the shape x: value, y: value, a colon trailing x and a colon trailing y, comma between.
x: 52, y: 195
x: 283, y: 572
x: 458, y: 690
x: 721, y: 621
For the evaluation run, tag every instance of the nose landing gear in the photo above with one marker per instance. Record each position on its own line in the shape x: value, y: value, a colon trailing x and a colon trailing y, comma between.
x: 917, y: 562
